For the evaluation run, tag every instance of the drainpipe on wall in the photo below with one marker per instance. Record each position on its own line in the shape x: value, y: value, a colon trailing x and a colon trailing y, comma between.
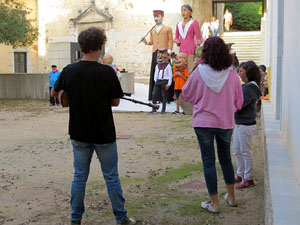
x: 279, y: 59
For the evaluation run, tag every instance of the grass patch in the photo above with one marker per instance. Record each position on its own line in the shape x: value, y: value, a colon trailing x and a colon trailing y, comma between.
x: 172, y: 199
x: 91, y: 183
x: 143, y: 206
x: 142, y: 139
x: 128, y: 180
x: 186, y: 143
x: 138, y: 206
x: 176, y: 158
x: 192, y: 208
x: 177, y: 174
x: 213, y: 220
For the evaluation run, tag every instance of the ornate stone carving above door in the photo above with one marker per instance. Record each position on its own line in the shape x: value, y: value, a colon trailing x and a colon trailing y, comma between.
x: 92, y: 16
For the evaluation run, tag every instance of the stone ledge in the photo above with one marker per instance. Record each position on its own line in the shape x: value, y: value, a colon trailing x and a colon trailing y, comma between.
x: 282, y: 190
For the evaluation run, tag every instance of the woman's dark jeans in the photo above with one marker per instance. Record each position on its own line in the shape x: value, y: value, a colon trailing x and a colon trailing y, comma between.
x: 206, y: 138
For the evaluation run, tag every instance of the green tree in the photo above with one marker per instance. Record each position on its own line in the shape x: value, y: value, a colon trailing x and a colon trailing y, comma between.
x: 15, y: 28
x: 246, y: 16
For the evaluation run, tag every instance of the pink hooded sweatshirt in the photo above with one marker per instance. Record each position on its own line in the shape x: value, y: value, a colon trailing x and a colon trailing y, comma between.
x: 216, y: 95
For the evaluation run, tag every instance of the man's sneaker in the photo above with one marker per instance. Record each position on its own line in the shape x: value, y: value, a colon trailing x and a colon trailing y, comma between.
x: 153, y: 111
x: 246, y: 183
x: 75, y: 222
x: 163, y: 112
x: 183, y: 112
x: 175, y: 112
x: 230, y: 203
x: 128, y: 221
x: 207, y: 206
x: 237, y: 179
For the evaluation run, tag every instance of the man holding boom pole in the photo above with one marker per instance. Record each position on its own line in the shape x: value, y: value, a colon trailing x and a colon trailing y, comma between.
x: 161, y: 36
x: 92, y: 90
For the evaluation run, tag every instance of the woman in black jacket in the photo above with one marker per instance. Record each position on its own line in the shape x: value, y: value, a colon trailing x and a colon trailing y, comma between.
x: 245, y: 120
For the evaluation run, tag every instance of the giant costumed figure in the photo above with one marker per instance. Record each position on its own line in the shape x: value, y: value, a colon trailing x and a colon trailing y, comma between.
x: 186, y: 31
x: 163, y: 79
x: 161, y: 37
x: 180, y: 74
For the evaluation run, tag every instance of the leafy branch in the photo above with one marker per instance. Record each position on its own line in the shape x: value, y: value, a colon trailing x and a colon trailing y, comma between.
x: 16, y: 29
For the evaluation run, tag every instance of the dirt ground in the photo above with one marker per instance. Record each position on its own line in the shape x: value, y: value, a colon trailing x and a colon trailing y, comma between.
x: 159, y: 165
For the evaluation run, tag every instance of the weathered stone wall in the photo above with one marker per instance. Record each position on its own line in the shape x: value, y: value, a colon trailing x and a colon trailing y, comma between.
x: 24, y: 86
x: 132, y: 19
x: 202, y: 9
x: 6, y: 58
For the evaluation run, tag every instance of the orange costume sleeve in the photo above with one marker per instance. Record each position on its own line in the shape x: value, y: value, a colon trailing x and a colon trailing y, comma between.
x: 174, y: 70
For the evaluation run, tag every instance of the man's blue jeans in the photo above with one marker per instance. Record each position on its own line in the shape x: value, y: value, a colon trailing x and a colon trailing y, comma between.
x: 206, y: 138
x: 108, y: 157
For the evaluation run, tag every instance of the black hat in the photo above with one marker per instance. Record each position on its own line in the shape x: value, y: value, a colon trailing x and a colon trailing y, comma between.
x: 53, y: 66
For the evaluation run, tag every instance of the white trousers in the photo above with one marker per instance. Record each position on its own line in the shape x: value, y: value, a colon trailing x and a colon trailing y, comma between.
x: 242, y: 149
x: 205, y: 35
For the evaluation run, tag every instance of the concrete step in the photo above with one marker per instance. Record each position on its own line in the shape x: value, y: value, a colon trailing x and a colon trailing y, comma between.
x: 242, y: 38
x: 242, y: 54
x: 247, y: 45
x: 242, y: 33
x: 254, y: 49
x: 242, y: 41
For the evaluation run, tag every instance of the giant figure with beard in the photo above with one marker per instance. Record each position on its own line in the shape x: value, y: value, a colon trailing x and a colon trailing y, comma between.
x: 161, y: 36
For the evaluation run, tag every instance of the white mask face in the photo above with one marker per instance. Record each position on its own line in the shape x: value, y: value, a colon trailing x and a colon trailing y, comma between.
x: 158, y: 19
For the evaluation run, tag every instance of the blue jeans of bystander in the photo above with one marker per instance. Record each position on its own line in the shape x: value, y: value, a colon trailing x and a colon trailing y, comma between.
x: 214, y: 32
x: 205, y: 138
x: 108, y: 158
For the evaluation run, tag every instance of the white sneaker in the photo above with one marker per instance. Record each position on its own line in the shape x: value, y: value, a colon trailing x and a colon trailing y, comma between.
x: 128, y: 221
x: 207, y: 206
x: 230, y: 203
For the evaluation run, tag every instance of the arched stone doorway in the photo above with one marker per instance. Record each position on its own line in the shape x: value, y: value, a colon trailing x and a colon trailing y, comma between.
x: 90, y: 17
x: 66, y: 51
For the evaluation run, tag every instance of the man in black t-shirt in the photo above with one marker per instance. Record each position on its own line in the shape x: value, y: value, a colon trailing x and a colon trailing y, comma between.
x: 92, y: 89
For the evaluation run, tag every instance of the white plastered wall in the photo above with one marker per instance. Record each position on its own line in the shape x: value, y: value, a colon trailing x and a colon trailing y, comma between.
x: 288, y: 87
x: 273, y: 49
x: 290, y: 82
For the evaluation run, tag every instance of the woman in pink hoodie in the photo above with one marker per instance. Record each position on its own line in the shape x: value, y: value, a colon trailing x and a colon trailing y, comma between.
x: 215, y: 91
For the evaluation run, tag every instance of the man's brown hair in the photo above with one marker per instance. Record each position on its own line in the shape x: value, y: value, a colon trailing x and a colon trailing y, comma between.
x: 91, y: 39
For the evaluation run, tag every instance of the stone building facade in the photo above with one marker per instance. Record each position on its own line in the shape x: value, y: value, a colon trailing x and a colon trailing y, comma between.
x: 20, y: 59
x: 125, y: 22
